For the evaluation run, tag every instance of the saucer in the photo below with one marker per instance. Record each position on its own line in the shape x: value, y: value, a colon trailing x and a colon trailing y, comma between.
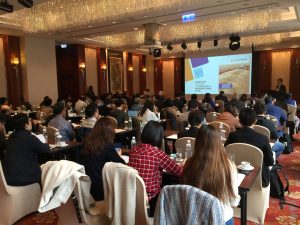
x: 179, y: 160
x: 60, y: 145
x: 249, y: 168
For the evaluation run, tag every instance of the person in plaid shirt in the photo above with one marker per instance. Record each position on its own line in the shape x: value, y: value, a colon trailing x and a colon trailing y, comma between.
x: 150, y: 161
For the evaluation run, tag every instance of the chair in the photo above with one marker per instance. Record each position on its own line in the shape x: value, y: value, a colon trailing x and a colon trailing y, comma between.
x: 113, y: 120
x: 211, y: 116
x: 184, y: 204
x: 221, y: 105
x: 17, y: 202
x: 180, y: 144
x: 125, y: 195
x: 262, y: 130
x: 221, y: 126
x: 258, y: 196
x: 51, y: 134
x: 291, y: 116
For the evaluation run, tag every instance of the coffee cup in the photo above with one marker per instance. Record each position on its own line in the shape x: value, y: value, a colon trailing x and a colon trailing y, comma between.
x: 62, y: 143
x: 245, y: 165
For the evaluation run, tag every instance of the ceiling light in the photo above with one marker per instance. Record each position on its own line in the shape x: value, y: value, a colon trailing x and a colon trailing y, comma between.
x: 234, y: 42
x: 216, y: 42
x: 135, y: 28
x: 114, y: 22
x: 183, y: 45
x: 4, y: 6
x: 157, y: 52
x: 199, y: 44
x: 26, y: 3
x: 169, y: 47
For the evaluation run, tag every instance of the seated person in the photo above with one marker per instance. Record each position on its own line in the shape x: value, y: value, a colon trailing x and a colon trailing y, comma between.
x: 59, y: 122
x: 99, y: 149
x: 207, y: 99
x: 81, y: 104
x: 46, y: 106
x: 137, y: 104
x: 92, y: 114
x: 247, y: 135
x: 148, y: 112
x: 20, y: 161
x: 195, y: 119
x: 260, y: 110
x: 6, y: 111
x: 119, y: 112
x: 150, y: 161
x: 222, y: 97
x: 229, y: 116
x: 2, y: 136
x: 210, y: 170
x: 106, y: 108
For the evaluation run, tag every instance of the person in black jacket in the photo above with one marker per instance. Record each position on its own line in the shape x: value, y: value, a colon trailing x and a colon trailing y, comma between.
x: 247, y: 135
x: 98, y: 150
x: 195, y: 119
x: 20, y: 161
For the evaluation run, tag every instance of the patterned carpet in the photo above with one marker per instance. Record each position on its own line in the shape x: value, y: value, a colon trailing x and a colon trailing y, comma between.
x: 289, y: 215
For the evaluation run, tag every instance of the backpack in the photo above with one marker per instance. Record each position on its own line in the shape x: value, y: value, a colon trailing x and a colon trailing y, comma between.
x: 277, y: 188
x: 286, y: 139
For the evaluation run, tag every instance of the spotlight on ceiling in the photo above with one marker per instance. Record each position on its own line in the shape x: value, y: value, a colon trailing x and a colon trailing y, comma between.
x: 199, y: 43
x: 234, y: 42
x: 156, y: 52
x: 183, y: 46
x: 26, y: 3
x: 4, y: 6
x: 169, y: 47
x: 216, y: 42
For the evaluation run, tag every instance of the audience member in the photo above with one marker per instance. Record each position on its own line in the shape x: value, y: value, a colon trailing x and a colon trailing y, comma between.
x: 289, y: 100
x: 26, y: 104
x: 59, y: 122
x: 92, y: 114
x: 210, y: 170
x: 207, y: 99
x: 275, y: 110
x: 90, y: 93
x: 47, y: 101
x: 193, y: 102
x: 179, y: 101
x: 247, y: 135
x: 229, y: 116
x: 148, y: 112
x: 106, y: 108
x: 81, y: 104
x: 137, y: 104
x: 222, y: 97
x: 119, y: 112
x: 236, y: 102
x: 20, y: 161
x: 99, y: 149
x: 150, y: 161
x: 195, y: 119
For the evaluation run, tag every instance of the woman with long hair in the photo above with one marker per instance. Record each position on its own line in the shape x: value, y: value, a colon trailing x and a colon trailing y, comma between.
x: 148, y: 112
x: 99, y: 149
x: 150, y: 161
x: 210, y: 170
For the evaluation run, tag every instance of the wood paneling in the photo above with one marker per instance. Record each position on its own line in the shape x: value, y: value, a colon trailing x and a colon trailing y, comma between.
x: 129, y: 64
x: 143, y: 78
x: 178, y: 75
x: 13, y: 72
x: 262, y: 71
x: 71, y: 80
x: 102, y: 73
x: 295, y: 74
x: 158, y: 76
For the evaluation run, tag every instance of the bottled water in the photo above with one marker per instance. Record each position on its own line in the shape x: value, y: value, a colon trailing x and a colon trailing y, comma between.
x: 133, y: 142
x: 129, y: 123
x: 188, y: 149
x: 45, y: 133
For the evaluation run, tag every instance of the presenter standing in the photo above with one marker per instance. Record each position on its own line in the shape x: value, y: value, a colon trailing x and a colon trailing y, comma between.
x: 280, y: 87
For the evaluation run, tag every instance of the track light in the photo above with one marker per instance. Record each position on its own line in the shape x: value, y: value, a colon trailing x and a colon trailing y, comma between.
x: 183, y: 46
x: 199, y: 44
x: 216, y: 42
x: 4, y: 6
x: 234, y: 42
x: 169, y: 47
x: 26, y: 3
x: 156, y: 52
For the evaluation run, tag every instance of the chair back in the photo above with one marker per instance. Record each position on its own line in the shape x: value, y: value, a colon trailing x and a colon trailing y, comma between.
x: 291, y: 115
x: 262, y: 130
x: 113, y: 120
x: 180, y: 144
x: 51, y: 134
x: 221, y: 105
x: 221, y: 126
x: 176, y: 205
x: 211, y: 116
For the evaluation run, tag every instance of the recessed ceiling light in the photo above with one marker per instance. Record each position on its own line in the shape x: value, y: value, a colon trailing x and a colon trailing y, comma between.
x: 164, y: 24
x: 135, y: 28
x: 114, y: 22
x: 145, y: 16
x: 90, y: 26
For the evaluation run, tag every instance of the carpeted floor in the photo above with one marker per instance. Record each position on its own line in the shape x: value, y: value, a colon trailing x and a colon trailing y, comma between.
x: 289, y: 215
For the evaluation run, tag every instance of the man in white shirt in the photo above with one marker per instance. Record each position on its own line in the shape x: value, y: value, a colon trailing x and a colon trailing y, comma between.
x: 80, y: 104
x: 92, y: 114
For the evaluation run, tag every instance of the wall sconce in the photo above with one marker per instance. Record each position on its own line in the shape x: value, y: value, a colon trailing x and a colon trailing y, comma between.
x: 15, y: 62
x: 130, y: 68
x: 144, y: 69
x: 103, y: 67
x: 82, y: 69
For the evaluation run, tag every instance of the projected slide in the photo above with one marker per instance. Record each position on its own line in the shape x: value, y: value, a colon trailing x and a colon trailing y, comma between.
x: 230, y: 73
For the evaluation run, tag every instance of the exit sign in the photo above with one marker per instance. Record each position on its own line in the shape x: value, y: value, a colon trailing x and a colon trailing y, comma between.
x: 188, y: 18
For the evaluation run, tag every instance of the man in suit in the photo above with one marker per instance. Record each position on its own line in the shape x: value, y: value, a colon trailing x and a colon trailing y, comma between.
x: 119, y: 112
x: 247, y: 135
x: 280, y: 87
x: 195, y: 119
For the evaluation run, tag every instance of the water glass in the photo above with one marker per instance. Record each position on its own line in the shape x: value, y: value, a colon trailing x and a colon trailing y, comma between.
x: 126, y: 125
